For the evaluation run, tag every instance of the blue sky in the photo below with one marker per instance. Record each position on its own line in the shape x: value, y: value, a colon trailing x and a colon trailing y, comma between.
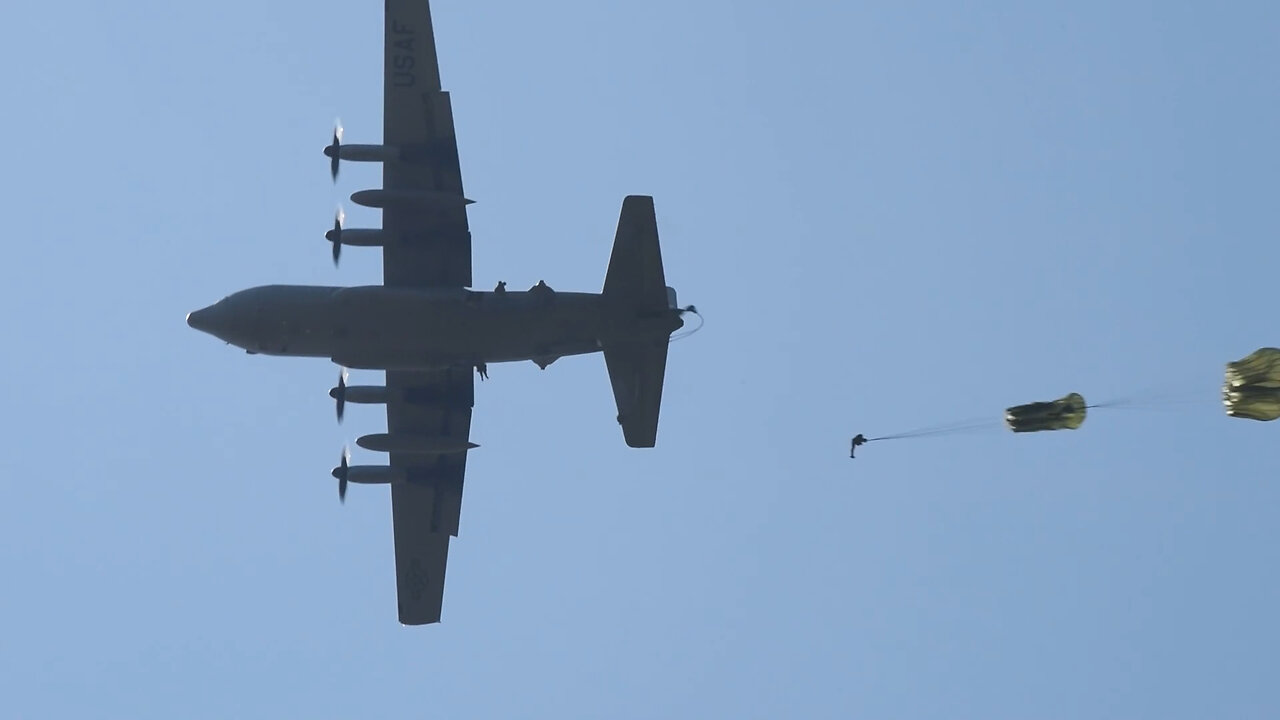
x: 891, y: 215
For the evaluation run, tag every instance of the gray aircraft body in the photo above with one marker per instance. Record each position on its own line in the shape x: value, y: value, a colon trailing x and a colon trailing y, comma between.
x: 430, y: 332
x: 383, y: 328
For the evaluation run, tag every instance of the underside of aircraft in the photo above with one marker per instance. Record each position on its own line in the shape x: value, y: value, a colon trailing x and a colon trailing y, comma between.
x: 430, y: 332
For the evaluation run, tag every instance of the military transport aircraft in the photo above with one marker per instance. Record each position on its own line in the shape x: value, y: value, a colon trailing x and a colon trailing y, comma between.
x: 430, y: 332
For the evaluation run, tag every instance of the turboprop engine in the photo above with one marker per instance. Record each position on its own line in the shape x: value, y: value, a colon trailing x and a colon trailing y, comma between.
x: 358, y: 394
x: 364, y: 475
x: 360, y: 237
x: 337, y: 152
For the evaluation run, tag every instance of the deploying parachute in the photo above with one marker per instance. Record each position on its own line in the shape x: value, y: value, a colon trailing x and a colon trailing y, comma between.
x: 1251, y: 390
x: 1065, y: 413
x: 1252, y: 387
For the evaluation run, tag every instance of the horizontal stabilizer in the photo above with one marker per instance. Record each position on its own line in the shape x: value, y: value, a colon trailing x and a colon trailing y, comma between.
x: 635, y: 277
x: 637, y: 371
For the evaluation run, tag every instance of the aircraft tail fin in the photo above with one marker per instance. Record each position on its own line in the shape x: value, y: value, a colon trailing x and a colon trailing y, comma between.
x: 636, y: 371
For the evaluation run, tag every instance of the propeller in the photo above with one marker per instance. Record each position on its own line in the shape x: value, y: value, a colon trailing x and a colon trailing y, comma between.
x: 341, y: 473
x: 334, y: 150
x: 335, y: 235
x: 340, y: 393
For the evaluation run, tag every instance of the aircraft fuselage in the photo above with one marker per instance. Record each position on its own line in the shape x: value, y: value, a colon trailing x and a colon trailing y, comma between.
x: 390, y: 328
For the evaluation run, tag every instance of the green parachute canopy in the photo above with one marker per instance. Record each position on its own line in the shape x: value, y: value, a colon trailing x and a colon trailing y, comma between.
x: 1252, y: 388
x: 1065, y: 413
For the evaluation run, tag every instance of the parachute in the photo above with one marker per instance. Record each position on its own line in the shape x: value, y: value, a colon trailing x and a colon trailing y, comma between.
x: 1252, y: 387
x: 1065, y: 413
x: 1251, y: 390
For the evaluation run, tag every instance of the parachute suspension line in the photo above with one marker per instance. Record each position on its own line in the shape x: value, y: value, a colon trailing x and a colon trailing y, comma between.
x: 1154, y: 401
x: 1162, y: 395
x: 1155, y: 405
x: 953, y: 428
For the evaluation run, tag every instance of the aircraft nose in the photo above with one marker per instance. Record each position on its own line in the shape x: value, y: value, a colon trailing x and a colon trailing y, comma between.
x: 199, y: 319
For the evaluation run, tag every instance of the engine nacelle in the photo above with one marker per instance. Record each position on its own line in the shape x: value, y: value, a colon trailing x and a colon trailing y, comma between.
x: 367, y: 394
x: 375, y: 475
x: 365, y: 153
x: 414, y: 444
x: 360, y: 237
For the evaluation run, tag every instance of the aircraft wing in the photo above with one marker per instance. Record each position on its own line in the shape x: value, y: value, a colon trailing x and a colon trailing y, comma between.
x: 426, y: 218
x: 431, y: 244
x: 426, y: 508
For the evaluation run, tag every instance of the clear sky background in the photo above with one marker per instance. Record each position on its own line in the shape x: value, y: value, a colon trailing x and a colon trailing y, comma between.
x: 892, y: 214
